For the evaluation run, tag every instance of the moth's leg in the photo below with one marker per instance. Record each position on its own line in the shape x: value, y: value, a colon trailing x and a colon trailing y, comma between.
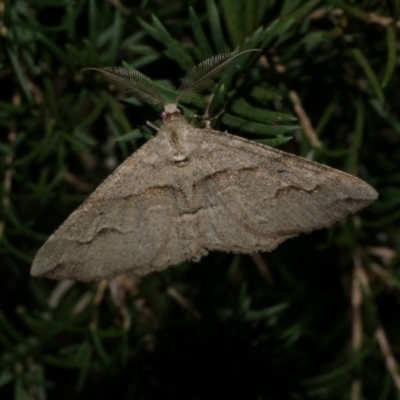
x: 151, y: 125
x: 207, y: 119
x: 206, y: 114
x: 195, y: 116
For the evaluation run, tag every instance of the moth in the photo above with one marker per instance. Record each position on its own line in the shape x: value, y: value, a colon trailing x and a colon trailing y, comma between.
x: 190, y: 190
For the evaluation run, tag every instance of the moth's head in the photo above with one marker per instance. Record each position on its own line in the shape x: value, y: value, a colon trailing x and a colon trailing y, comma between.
x: 171, y: 111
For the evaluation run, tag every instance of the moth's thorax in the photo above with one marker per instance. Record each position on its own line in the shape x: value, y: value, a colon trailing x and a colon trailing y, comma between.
x: 180, y: 139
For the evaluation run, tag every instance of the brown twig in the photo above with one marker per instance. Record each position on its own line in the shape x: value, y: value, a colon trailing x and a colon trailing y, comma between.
x: 382, y: 20
x: 304, y: 120
x: 78, y: 183
x: 120, y: 287
x: 8, y: 174
x: 390, y: 361
x: 3, y: 28
x: 101, y: 289
x: 356, y: 321
x: 59, y: 292
x: 368, y: 17
x: 356, y: 301
x: 355, y: 389
x: 321, y: 13
x: 83, y: 302
x: 380, y: 272
x: 380, y: 335
x: 263, y: 268
x: 120, y: 6
x: 173, y: 293
x: 385, y: 253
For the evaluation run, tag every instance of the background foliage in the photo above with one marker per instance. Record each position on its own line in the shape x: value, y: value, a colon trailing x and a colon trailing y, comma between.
x: 316, y: 318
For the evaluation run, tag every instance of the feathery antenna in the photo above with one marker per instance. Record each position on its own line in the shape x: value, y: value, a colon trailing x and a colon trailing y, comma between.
x: 202, y: 75
x: 132, y: 82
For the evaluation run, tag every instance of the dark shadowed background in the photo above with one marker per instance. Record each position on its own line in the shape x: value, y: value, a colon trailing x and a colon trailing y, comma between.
x: 318, y: 318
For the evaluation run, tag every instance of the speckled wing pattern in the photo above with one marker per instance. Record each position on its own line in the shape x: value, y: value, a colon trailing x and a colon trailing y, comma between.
x: 227, y: 194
